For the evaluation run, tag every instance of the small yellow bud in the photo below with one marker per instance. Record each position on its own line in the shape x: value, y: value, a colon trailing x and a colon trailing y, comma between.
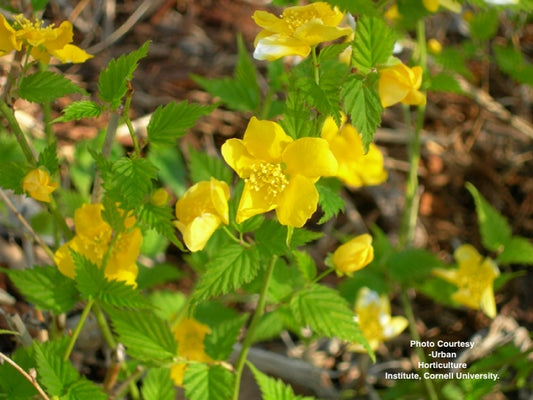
x: 353, y: 255
x: 434, y: 46
x: 159, y: 197
x: 37, y: 184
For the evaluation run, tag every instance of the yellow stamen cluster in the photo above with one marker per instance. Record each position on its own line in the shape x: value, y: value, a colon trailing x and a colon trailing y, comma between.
x: 267, y: 178
x: 297, y: 18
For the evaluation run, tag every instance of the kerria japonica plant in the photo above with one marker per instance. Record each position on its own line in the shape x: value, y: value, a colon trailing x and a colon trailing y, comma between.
x: 182, y: 262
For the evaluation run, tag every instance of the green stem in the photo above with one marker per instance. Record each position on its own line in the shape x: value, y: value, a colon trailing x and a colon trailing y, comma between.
x: 104, y: 327
x: 323, y: 274
x: 17, y: 131
x: 78, y: 328
x: 47, y: 114
x: 419, y: 351
x: 315, y: 65
x: 125, y: 114
x: 106, y: 152
x: 235, y: 238
x: 248, y: 340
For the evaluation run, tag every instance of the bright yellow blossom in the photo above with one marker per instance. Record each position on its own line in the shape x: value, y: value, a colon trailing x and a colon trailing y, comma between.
x: 279, y: 172
x: 399, y: 83
x: 353, y: 255
x: 190, y: 335
x: 8, y: 40
x: 474, y: 279
x: 374, y: 317
x: 433, y: 5
x: 92, y: 239
x: 297, y: 30
x: 200, y: 212
x: 45, y: 41
x: 37, y: 184
x: 356, y: 168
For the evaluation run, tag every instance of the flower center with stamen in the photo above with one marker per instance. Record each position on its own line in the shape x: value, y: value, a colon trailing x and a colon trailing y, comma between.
x: 297, y: 18
x: 268, y: 179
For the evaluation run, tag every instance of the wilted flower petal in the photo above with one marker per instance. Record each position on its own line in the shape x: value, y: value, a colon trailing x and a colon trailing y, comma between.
x: 37, y: 184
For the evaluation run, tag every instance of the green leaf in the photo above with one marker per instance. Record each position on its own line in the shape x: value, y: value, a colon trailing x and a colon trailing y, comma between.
x: 240, y: 93
x: 306, y: 264
x: 160, y: 219
x: 84, y: 390
x: 357, y: 7
x: 46, y: 287
x: 269, y: 327
x: 158, y: 274
x: 327, y: 313
x: 412, y: 266
x: 46, y: 86
x: 38, y: 5
x: 453, y: 60
x: 203, y: 166
x: 53, y: 372
x: 172, y: 121
x: 78, y: 110
x: 233, y: 266
x: 517, y: 250
x: 330, y: 201
x: 158, y: 386
x: 494, y: 228
x: 12, y: 384
x: 203, y: 382
x: 512, y: 62
x: 146, y: 336
x: 297, y: 121
x: 373, y: 44
x: 274, y: 389
x: 445, y: 82
x: 484, y: 25
x: 172, y: 172
x: 361, y: 101
x: 223, y: 336
x: 271, y: 238
x: 112, y: 82
x: 92, y: 284
x: 130, y: 183
x: 48, y: 158
x: 12, y: 175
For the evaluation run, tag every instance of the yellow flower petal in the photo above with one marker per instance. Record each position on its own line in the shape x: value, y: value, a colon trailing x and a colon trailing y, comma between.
x: 298, y: 202
x: 90, y: 224
x: 310, y: 157
x: 8, y: 41
x: 254, y: 202
x: 400, y: 83
x: 198, y: 231
x: 37, y: 184
x: 265, y: 140
x: 237, y: 157
x: 431, y: 5
x: 273, y: 47
x: 71, y: 54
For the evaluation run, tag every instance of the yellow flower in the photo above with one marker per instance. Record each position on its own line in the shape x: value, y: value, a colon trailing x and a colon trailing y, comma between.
x: 433, y: 5
x: 434, y: 46
x: 392, y: 13
x: 474, y: 279
x: 279, y: 172
x: 43, y: 42
x: 8, y: 40
x: 400, y: 83
x: 159, y: 197
x: 190, y: 335
x: 374, y: 318
x: 356, y: 168
x: 353, y: 255
x: 297, y: 30
x: 92, y: 239
x: 37, y: 184
x: 200, y: 212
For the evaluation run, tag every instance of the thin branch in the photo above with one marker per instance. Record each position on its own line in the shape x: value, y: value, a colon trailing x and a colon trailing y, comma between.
x: 30, y: 378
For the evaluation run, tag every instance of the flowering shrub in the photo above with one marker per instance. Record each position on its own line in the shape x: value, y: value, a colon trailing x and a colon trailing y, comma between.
x: 245, y: 220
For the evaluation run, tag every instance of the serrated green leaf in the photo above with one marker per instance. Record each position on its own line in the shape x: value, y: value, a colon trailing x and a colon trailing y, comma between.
x: 203, y: 166
x: 158, y: 386
x: 46, y: 86
x: 232, y: 267
x: 484, y: 24
x: 330, y: 202
x: 325, y: 98
x: 38, y: 5
x: 112, y: 215
x: 92, y: 284
x: 223, y: 336
x: 130, y: 183
x: 285, y: 280
x: 12, y: 384
x: 362, y: 103
x: 53, y: 372
x: 172, y: 121
x: 46, y: 287
x: 517, y: 250
x: 146, y: 336
x: 271, y: 238
x: 84, y: 389
x: 453, y: 59
x: 511, y: 61
x: 172, y: 171
x: 112, y: 82
x: 160, y: 219
x: 297, y: 121
x: 269, y: 327
x: 327, y: 313
x: 240, y: 93
x: 78, y: 110
x: 274, y: 389
x: 203, y: 382
x: 306, y: 264
x: 445, y: 82
x: 373, y: 44
x: 48, y: 158
x: 493, y: 227
x: 12, y: 175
